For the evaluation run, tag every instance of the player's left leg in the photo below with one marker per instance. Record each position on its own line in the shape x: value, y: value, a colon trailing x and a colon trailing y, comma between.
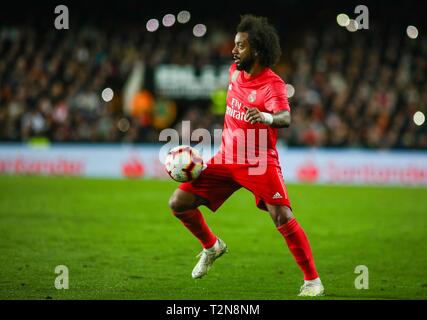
x: 271, y: 195
x: 299, y: 246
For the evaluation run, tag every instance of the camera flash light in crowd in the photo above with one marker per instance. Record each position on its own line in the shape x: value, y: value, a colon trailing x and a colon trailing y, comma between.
x: 152, y: 25
x: 343, y: 20
x: 184, y: 16
x: 168, y: 20
x: 123, y: 125
x: 419, y: 118
x: 290, y: 90
x: 107, y: 94
x: 352, y: 25
x: 412, y: 32
x: 199, y: 30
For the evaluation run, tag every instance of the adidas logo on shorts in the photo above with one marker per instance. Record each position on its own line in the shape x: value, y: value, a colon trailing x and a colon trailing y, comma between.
x: 277, y: 196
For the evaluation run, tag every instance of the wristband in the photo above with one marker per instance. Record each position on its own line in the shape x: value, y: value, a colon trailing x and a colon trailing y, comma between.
x: 268, y: 118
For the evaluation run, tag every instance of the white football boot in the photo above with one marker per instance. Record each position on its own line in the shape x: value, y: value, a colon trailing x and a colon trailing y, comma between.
x: 207, y: 258
x: 312, y: 288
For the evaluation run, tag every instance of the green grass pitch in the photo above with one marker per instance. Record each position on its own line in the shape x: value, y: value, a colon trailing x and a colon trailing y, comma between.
x: 120, y: 241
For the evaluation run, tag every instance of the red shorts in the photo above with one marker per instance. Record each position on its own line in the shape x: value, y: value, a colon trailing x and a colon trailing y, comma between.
x: 218, y: 182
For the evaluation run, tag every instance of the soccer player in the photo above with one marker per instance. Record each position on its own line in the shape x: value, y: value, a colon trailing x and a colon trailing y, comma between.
x: 256, y: 101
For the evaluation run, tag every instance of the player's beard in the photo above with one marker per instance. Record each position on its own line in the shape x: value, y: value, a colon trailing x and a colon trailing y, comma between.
x: 246, y: 64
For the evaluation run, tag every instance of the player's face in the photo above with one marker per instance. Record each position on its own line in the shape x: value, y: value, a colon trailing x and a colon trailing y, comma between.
x: 242, y: 53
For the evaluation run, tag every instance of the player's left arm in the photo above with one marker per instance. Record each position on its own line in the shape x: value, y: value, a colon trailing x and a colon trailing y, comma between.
x: 277, y: 105
x: 280, y: 119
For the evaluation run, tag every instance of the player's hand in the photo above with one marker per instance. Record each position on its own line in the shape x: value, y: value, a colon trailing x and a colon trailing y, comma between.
x: 253, y: 115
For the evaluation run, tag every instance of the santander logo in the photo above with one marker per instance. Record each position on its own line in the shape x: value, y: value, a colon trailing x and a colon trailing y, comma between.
x: 308, y: 172
x: 133, y: 168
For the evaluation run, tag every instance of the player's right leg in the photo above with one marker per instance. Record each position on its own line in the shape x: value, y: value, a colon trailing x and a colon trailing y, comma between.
x: 211, y: 189
x: 184, y: 206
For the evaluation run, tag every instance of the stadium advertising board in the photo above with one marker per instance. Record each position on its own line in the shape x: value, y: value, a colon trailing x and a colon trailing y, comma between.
x: 188, y: 82
x: 142, y: 161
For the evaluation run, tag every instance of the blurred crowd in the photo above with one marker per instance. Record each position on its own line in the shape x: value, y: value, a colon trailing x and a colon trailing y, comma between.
x: 356, y: 89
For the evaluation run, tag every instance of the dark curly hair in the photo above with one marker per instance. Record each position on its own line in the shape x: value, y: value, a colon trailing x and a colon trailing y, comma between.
x: 262, y: 38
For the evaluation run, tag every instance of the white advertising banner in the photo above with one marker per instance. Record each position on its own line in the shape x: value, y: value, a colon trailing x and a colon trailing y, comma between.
x: 142, y: 161
x: 83, y: 160
x: 355, y: 167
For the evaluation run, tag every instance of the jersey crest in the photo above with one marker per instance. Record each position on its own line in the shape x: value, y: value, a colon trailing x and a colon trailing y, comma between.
x: 252, y: 96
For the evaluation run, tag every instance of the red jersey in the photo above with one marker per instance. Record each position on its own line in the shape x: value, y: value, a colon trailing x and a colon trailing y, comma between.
x: 246, y: 142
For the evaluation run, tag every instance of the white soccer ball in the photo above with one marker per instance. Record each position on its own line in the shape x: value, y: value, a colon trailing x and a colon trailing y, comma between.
x: 184, y: 163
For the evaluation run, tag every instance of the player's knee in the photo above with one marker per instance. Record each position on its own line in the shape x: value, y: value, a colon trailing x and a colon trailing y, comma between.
x: 281, y: 215
x: 178, y: 204
x: 285, y: 215
x: 175, y: 204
